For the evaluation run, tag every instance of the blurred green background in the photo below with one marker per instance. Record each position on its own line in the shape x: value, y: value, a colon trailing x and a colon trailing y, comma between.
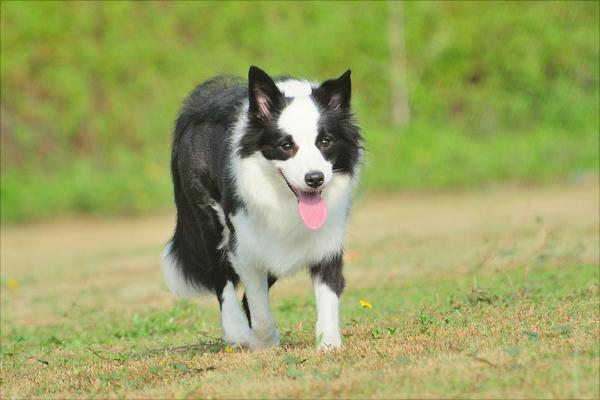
x: 90, y: 91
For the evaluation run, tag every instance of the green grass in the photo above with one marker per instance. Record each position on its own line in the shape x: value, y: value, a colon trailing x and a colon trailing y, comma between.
x: 415, y: 157
x: 424, y: 157
x: 497, y: 91
x: 517, y: 334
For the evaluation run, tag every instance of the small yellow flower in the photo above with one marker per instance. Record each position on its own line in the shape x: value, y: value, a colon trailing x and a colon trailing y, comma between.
x: 12, y: 284
x: 228, y: 349
x: 365, y: 304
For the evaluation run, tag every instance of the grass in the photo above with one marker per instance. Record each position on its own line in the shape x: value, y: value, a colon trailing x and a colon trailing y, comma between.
x: 466, y: 302
x: 495, y: 90
x: 425, y: 157
x: 419, y: 156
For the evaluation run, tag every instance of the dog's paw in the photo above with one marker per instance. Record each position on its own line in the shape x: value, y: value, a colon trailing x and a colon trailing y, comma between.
x: 265, y: 338
x: 239, y: 335
x: 329, y: 342
x: 245, y: 339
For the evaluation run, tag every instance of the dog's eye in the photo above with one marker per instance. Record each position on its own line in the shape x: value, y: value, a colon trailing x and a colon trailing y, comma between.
x: 286, y: 146
x: 325, y: 141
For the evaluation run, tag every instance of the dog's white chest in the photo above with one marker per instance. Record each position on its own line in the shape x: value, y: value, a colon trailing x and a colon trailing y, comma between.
x: 269, y: 232
x: 286, y: 247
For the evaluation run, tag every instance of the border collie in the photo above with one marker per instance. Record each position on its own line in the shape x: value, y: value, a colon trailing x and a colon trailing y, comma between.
x: 262, y: 174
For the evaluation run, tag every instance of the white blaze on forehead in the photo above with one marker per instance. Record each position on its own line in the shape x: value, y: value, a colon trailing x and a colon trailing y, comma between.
x: 300, y: 120
x: 294, y: 88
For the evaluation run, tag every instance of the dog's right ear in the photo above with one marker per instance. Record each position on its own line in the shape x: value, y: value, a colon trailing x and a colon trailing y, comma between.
x: 263, y: 95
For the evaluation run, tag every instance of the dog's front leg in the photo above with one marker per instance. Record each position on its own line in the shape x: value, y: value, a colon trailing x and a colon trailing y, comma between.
x: 257, y: 293
x: 328, y: 282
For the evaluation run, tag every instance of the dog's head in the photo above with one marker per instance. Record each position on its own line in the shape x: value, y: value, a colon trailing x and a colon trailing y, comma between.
x: 305, y: 131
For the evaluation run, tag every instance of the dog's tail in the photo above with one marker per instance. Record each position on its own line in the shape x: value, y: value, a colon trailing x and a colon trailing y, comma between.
x: 175, y: 279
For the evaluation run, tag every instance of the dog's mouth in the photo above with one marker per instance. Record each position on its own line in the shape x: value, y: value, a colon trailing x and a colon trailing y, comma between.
x: 311, y: 205
x: 297, y: 192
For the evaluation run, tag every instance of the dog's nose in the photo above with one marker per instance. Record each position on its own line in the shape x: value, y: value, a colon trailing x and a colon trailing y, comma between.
x: 314, y: 179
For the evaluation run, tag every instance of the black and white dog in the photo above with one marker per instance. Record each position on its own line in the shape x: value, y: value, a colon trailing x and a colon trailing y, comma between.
x: 262, y: 173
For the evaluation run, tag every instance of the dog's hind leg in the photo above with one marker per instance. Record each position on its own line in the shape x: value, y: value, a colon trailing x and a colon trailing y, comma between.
x: 235, y: 326
x: 328, y: 283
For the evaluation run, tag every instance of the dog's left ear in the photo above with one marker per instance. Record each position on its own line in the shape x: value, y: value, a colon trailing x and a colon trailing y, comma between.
x: 335, y: 93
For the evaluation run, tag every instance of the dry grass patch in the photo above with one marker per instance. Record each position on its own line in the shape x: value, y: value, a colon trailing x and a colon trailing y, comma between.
x: 493, y: 295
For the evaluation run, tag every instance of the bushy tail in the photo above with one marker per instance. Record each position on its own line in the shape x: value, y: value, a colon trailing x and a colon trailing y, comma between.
x: 174, y: 278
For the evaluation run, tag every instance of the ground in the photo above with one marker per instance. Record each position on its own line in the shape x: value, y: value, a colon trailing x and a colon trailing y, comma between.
x: 488, y: 293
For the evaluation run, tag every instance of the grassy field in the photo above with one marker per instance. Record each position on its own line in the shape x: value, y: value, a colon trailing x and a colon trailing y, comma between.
x: 495, y: 90
x: 491, y: 293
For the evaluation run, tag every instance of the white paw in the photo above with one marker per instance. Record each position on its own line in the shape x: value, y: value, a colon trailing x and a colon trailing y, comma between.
x: 265, y: 338
x: 242, y: 338
x: 329, y: 342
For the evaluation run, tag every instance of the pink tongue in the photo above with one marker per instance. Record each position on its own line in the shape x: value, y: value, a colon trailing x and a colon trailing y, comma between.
x: 312, y: 209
